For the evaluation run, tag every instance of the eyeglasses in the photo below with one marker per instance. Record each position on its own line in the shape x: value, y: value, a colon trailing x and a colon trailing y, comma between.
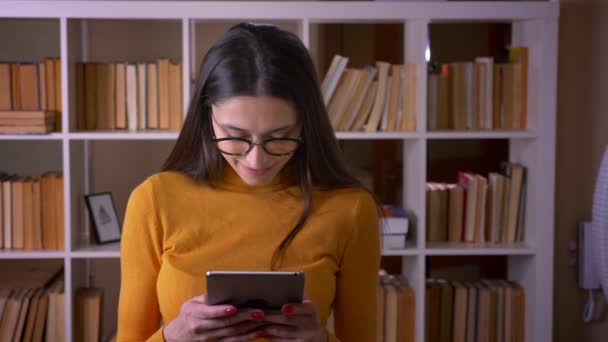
x: 272, y: 146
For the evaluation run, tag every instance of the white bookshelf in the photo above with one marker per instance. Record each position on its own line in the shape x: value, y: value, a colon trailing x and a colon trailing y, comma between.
x: 80, y: 31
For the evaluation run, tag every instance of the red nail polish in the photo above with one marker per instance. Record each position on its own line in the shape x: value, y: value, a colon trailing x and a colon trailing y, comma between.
x: 257, y: 315
x: 260, y: 334
x: 287, y: 308
x: 230, y: 311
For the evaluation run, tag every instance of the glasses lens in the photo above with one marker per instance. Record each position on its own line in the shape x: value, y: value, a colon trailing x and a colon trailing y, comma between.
x: 281, y: 146
x: 233, y: 146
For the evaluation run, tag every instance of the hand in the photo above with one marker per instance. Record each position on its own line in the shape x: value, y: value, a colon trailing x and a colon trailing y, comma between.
x: 295, y: 322
x: 198, y: 321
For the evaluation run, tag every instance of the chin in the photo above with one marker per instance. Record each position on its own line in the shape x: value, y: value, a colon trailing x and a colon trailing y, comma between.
x: 256, y: 181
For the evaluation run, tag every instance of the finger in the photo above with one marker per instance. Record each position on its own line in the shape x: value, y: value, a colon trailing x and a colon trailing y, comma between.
x: 198, y: 308
x: 239, y: 329
x: 223, y: 322
x: 307, y: 307
x: 245, y: 337
x: 280, y: 331
x: 281, y: 318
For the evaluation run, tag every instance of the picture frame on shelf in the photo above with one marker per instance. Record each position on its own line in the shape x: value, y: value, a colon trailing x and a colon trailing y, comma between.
x: 104, y: 218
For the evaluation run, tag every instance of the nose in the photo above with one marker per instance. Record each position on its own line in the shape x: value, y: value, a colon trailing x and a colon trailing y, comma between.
x: 256, y: 157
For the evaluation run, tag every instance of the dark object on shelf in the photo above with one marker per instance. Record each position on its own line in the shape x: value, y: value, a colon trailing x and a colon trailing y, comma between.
x: 103, y: 216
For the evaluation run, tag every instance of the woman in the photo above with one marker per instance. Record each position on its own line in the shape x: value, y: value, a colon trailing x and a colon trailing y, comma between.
x: 254, y: 182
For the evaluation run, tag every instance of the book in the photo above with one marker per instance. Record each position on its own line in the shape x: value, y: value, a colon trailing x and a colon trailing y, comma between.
x: 81, y: 123
x: 163, y: 93
x: 49, y: 213
x: 378, y: 108
x: 409, y: 103
x: 88, y: 314
x: 29, y: 86
x: 5, y: 87
x: 120, y: 96
x: 142, y: 96
x: 91, y: 86
x: 18, y: 229
x: 132, y: 97
x: 175, y: 97
x: 152, y: 96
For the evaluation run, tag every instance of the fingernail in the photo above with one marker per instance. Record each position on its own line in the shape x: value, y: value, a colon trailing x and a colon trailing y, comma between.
x: 257, y: 315
x: 287, y: 308
x: 230, y: 311
x: 260, y: 334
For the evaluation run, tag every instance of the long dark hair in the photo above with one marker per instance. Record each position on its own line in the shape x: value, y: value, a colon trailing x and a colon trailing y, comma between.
x: 262, y: 60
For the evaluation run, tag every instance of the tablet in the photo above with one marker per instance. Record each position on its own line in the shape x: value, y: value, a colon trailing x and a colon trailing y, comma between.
x: 258, y: 290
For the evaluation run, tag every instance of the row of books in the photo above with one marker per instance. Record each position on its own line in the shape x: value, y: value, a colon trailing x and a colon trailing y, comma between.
x: 486, y: 310
x: 373, y: 98
x: 31, y: 212
x: 129, y: 96
x: 396, y: 309
x: 480, y: 94
x: 32, y: 301
x: 33, y: 87
x: 478, y: 209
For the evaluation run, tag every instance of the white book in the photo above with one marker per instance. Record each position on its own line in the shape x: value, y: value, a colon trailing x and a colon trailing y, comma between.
x: 329, y: 74
x: 132, y: 99
x: 333, y: 81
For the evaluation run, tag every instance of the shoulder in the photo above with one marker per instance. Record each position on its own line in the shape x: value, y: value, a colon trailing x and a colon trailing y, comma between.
x: 351, y: 197
x: 160, y: 185
x: 165, y: 181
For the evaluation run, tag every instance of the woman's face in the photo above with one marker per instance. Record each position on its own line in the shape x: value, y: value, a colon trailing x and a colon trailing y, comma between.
x: 256, y: 118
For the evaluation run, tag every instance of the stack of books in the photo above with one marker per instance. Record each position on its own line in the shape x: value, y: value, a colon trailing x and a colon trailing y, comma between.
x: 30, y: 97
x: 394, y: 227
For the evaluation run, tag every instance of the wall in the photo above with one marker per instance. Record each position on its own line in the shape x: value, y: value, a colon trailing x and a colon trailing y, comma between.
x: 582, y: 133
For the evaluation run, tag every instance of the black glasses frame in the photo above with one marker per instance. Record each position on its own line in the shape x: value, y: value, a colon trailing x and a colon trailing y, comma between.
x: 263, y: 144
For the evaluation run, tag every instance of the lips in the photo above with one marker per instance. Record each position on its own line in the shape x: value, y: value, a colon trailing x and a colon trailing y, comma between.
x: 255, y: 172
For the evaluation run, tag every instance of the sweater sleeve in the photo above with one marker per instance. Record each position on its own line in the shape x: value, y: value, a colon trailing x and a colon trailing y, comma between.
x: 355, y: 301
x: 140, y: 255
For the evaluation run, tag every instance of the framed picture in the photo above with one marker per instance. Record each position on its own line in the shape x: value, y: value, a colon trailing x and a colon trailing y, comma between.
x: 103, y: 215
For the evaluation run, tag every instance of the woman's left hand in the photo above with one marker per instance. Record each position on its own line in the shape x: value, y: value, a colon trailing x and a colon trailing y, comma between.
x: 295, y: 322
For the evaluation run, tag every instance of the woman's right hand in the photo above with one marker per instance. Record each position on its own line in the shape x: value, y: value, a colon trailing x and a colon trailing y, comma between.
x: 198, y: 321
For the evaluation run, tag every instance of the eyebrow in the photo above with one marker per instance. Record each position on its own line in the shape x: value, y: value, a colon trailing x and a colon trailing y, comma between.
x: 235, y: 128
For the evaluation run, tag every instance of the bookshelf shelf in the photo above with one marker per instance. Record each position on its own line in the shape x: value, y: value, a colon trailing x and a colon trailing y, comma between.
x: 481, y: 135
x: 4, y: 254
x: 116, y: 161
x: 377, y: 136
x: 401, y: 252
x: 51, y: 136
x: 115, y: 135
x: 111, y: 250
x: 447, y: 248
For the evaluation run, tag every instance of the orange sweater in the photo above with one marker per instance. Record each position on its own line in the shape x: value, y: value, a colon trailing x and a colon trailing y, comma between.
x: 176, y: 230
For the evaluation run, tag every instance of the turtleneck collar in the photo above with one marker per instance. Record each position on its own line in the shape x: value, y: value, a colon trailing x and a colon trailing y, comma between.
x: 232, y: 181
